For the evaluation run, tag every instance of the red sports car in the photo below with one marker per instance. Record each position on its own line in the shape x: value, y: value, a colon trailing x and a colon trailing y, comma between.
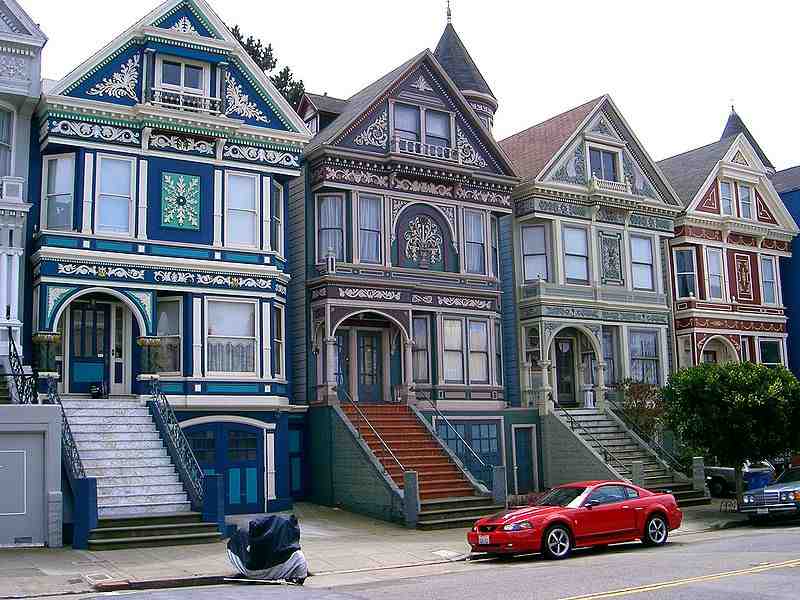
x: 578, y: 515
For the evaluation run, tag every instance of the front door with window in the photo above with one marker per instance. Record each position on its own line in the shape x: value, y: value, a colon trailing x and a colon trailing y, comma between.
x: 565, y: 371
x: 89, y: 347
x: 370, y: 366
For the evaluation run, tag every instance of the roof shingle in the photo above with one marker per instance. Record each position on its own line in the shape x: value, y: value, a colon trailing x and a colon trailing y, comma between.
x: 734, y: 126
x: 687, y: 171
x: 787, y: 180
x: 456, y: 61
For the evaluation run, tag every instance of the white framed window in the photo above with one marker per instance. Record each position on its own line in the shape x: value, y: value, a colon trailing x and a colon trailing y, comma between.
x: 494, y: 232
x: 576, y: 255
x: 169, y: 328
x: 370, y: 217
x: 231, y: 337
x: 745, y: 201
x: 114, y: 206
x: 498, y: 352
x: 685, y: 273
x: 279, y: 340
x: 330, y: 226
x: 58, y: 192
x: 610, y: 355
x: 645, y: 363
x: 421, y: 349
x: 744, y: 346
x: 769, y: 279
x: 453, y: 350
x: 278, y: 231
x: 407, y: 122
x: 534, y: 252
x: 642, y: 263
x: 715, y: 265
x: 6, y: 140
x: 437, y: 128
x: 770, y: 352
x: 475, y: 242
x: 603, y: 164
x: 241, y: 210
x: 726, y: 197
x: 182, y: 75
x: 478, y: 351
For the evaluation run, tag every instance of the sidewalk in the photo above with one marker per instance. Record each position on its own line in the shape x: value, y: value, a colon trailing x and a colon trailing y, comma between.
x: 333, y: 541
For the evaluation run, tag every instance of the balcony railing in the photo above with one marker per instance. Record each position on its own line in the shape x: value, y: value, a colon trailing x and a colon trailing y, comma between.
x: 603, y: 185
x: 185, y: 101
x: 426, y: 150
x: 11, y: 188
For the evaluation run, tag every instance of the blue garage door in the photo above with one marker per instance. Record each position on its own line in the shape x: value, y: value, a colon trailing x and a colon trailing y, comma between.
x: 237, y: 453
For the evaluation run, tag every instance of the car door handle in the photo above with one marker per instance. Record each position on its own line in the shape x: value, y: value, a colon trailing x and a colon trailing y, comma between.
x: 625, y: 507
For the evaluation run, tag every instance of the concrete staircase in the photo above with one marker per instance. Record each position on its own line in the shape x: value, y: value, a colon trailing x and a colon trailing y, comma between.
x: 448, y: 499
x: 606, y: 433
x: 140, y: 500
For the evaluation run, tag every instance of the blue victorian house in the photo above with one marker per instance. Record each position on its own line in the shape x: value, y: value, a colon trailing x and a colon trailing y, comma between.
x: 158, y: 252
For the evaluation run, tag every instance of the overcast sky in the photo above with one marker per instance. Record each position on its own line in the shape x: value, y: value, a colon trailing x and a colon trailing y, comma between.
x: 673, y: 68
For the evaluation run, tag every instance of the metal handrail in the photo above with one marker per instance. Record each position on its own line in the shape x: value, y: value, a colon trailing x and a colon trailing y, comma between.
x: 574, y: 423
x: 24, y: 384
x: 439, y: 414
x: 665, y: 455
x: 341, y: 388
x: 177, y: 439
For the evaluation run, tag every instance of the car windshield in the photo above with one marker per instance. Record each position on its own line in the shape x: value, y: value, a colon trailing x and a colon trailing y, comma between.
x: 560, y: 496
x: 790, y: 476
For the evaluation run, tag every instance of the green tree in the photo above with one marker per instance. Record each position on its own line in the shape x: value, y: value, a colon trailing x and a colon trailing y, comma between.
x: 292, y: 89
x: 734, y: 412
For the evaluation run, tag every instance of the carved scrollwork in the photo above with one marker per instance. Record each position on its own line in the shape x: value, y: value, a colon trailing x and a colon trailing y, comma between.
x: 121, y: 84
x: 376, y: 134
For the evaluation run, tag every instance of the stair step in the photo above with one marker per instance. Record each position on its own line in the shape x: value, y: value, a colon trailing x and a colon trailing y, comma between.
x: 86, y: 445
x: 76, y: 419
x: 69, y: 404
x: 126, y: 470
x: 127, y: 510
x: 164, y: 529
x: 160, y: 519
x: 143, y: 488
x: 128, y: 453
x: 114, y: 437
x: 105, y: 463
x: 119, y: 427
x: 139, y: 498
x: 107, y: 412
x: 475, y: 512
x: 112, y: 481
x: 154, y: 541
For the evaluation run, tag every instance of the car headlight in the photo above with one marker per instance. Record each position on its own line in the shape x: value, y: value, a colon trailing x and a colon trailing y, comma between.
x: 748, y: 499
x: 517, y: 526
x: 784, y: 496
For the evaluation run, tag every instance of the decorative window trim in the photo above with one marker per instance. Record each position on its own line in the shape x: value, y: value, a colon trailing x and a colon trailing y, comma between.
x: 708, y: 250
x: 256, y: 337
x: 775, y: 280
x: 781, y: 350
x: 752, y: 188
x: 161, y: 58
x: 732, y: 186
x: 279, y: 219
x: 695, y: 282
x: 547, y: 247
x: 466, y: 243
x: 588, y: 256
x: 381, y: 227
x: 44, y: 196
x: 611, y: 150
x: 321, y: 258
x: 652, y: 264
x: 132, y: 201
x: 179, y: 301
x: 615, y: 238
x: 256, y: 211
x: 279, y: 344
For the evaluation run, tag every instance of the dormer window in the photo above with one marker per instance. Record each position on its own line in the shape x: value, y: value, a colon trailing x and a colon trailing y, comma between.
x: 603, y: 164
x: 406, y: 122
x: 437, y: 128
x: 726, y: 197
x: 182, y: 75
x: 184, y: 83
x: 745, y: 201
x: 423, y: 131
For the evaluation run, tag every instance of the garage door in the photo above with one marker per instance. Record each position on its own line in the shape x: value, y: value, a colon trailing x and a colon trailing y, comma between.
x: 22, y: 515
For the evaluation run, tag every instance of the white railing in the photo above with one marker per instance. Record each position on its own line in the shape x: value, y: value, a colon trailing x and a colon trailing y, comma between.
x: 185, y: 101
x: 11, y: 188
x: 427, y: 150
x: 603, y: 185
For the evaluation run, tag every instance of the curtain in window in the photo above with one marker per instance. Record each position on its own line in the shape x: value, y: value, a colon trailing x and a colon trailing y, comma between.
x: 644, y: 356
x: 453, y: 351
x: 406, y: 121
x: 231, y: 337
x: 715, y: 270
x: 420, y: 350
x: 168, y: 328
x: 498, y: 352
x: 437, y: 128
x: 478, y: 352
x: 60, y: 184
x: 475, y: 237
x: 331, y: 226
x: 113, y: 213
x: 608, y: 357
x: 369, y: 215
x: 768, y: 280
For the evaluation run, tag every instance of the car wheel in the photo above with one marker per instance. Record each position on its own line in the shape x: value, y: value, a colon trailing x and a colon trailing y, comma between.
x: 718, y: 488
x: 656, y: 531
x: 557, y: 542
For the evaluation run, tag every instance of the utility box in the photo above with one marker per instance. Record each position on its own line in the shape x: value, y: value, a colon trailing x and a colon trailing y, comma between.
x: 30, y: 475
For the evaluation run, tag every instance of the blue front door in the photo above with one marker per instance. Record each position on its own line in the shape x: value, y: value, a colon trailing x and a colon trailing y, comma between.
x: 89, y: 347
x: 523, y: 452
x: 237, y: 453
x: 370, y: 366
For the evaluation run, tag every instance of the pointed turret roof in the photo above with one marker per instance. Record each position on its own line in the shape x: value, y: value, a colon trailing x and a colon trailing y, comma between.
x: 735, y: 126
x: 454, y: 57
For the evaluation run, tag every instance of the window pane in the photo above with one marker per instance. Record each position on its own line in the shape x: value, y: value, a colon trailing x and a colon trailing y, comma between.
x: 575, y: 241
x: 113, y: 214
x: 168, y: 318
x: 59, y: 212
x: 684, y: 261
x: 596, y: 163
x: 686, y: 286
x: 577, y: 268
x: 231, y: 319
x: 171, y: 73
x: 768, y: 269
x: 475, y: 258
x: 241, y: 227
x: 535, y: 266
x: 331, y: 240
x: 60, y: 172
x: 533, y: 240
x: 453, y: 367
x: 452, y: 335
x: 115, y: 176
x: 770, y: 352
x: 745, y: 201
x: 642, y: 250
x: 330, y: 211
x: 644, y: 344
x: 420, y: 333
x: 473, y: 222
x: 6, y: 123
x: 726, y: 194
x: 241, y: 192
x: 643, y: 277
x: 609, y: 167
x: 478, y: 367
x: 370, y: 212
x: 406, y: 121
x: 437, y: 128
x: 193, y: 77
x: 478, y: 336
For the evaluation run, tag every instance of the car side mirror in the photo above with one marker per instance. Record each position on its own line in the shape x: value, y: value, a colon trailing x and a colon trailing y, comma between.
x: 591, y: 504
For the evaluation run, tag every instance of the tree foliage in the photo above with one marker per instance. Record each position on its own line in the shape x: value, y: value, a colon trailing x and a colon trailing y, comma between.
x: 264, y: 56
x: 643, y: 405
x: 734, y: 412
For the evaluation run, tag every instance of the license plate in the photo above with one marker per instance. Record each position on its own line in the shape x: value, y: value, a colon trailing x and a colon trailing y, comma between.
x: 762, y: 511
x: 483, y: 540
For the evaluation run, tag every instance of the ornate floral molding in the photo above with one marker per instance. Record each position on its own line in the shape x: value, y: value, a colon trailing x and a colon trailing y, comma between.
x: 369, y: 294
x: 376, y: 134
x: 477, y: 303
x: 182, y: 143
x: 422, y: 187
x: 713, y: 235
x: 573, y: 170
x: 423, y: 241
x: 601, y: 127
x: 121, y: 84
x: 14, y: 67
x: 145, y: 302
x: 650, y: 222
x: 421, y: 85
x: 742, y: 240
x: 101, y: 272
x: 184, y: 25
x: 180, y: 201
x: 608, y: 214
x: 739, y: 159
x: 419, y: 299
x: 467, y: 152
x: 780, y: 245
x: 611, y: 258
x: 744, y: 278
x: 350, y: 176
x: 107, y: 133
x: 483, y: 196
x: 638, y: 182
x: 55, y: 294
x: 210, y: 279
x: 238, y: 103
x: 553, y: 207
x: 262, y: 155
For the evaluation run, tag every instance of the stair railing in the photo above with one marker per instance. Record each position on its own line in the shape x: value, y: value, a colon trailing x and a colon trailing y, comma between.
x: 25, y: 391
x: 423, y: 397
x: 177, y: 444
x: 608, y: 456
x: 662, y: 453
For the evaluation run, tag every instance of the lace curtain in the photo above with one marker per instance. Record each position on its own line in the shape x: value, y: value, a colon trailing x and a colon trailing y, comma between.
x: 331, y: 226
x: 231, y: 343
x: 369, y: 215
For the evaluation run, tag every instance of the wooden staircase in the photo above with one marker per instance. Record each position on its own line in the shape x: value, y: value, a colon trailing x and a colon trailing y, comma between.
x: 448, y: 499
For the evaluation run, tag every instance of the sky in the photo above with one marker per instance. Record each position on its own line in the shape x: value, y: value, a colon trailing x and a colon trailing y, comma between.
x: 673, y: 68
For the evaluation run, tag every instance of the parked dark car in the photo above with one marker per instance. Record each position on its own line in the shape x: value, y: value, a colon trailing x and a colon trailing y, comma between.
x: 781, y: 498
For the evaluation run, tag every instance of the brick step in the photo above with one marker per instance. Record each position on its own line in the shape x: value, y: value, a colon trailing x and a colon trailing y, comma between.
x: 163, y: 529
x: 141, y: 499
x: 133, y: 453
x: 142, y: 488
x: 399, y: 438
x: 412, y: 424
x: 431, y: 471
x: 411, y: 458
x: 126, y: 470
x: 378, y: 410
x: 155, y: 541
x: 138, y: 509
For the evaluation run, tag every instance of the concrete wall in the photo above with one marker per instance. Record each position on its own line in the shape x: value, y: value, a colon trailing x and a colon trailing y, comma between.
x: 566, y: 458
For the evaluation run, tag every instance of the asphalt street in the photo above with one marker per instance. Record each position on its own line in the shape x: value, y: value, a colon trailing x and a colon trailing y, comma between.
x: 748, y: 563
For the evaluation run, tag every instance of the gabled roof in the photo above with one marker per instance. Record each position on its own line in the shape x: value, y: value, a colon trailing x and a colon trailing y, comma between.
x: 735, y: 126
x: 327, y: 104
x: 17, y: 24
x: 456, y: 61
x: 533, y: 148
x: 787, y: 180
x: 688, y: 171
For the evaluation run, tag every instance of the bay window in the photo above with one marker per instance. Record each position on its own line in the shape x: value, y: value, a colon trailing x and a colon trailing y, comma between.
x: 241, y: 210
x: 279, y: 341
x: 406, y: 122
x: 534, y: 252
x: 495, y: 239
x: 168, y: 328
x: 114, y: 200
x: 277, y: 222
x: 576, y: 255
x: 478, y: 352
x: 437, y: 128
x: 453, y: 350
x: 768, y: 280
x: 726, y: 197
x: 370, y: 216
x: 685, y: 273
x: 330, y: 217
x: 770, y: 351
x: 745, y: 201
x: 231, y: 337
x: 420, y: 350
x: 642, y: 263
x: 603, y: 164
x: 716, y: 273
x: 59, y: 189
x: 475, y: 236
x: 644, y: 356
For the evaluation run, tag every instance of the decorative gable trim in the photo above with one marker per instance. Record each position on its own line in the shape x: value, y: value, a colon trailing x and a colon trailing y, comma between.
x: 763, y: 213
x: 182, y: 28
x: 99, y: 66
x: 710, y: 201
x: 122, y: 83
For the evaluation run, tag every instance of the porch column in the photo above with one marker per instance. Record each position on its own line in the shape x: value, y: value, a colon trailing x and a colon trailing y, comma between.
x: 330, y: 394
x: 527, y: 384
x: 14, y: 291
x: 408, y: 371
x: 545, y: 402
x: 600, y: 387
